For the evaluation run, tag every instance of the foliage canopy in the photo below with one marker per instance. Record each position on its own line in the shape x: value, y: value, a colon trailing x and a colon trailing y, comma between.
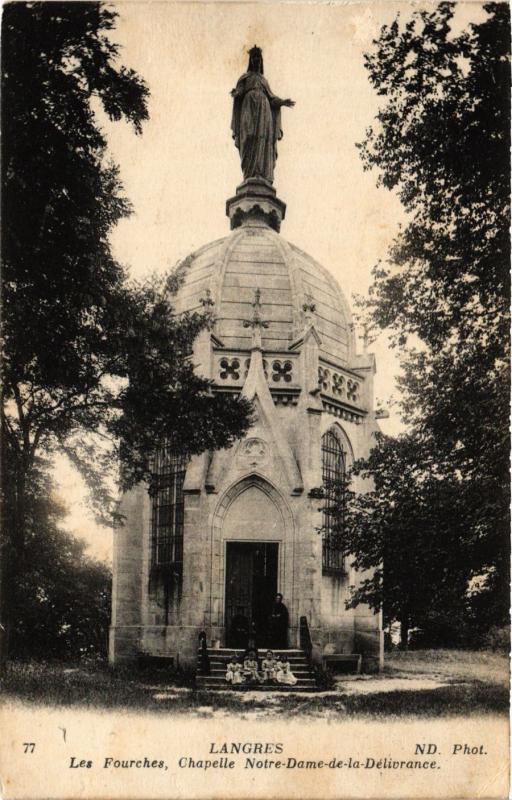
x: 441, y: 140
x: 94, y: 365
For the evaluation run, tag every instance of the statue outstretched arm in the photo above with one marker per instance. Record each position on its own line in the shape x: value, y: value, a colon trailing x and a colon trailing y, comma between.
x: 277, y: 102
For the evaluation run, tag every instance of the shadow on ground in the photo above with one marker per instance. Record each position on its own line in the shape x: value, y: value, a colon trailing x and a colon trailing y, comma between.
x: 417, y: 684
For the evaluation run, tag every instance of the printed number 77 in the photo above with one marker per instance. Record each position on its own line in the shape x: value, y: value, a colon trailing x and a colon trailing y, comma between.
x: 29, y: 747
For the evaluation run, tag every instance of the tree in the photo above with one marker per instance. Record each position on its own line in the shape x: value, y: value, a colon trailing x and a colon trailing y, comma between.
x: 94, y: 365
x: 410, y: 532
x: 62, y: 598
x: 442, y: 141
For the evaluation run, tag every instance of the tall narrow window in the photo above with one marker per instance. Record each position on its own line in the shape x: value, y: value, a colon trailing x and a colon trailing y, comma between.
x: 334, y: 484
x: 167, y: 515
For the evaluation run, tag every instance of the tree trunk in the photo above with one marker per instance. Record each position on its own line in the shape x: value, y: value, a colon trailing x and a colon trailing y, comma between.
x: 4, y: 626
x: 404, y: 633
x: 5, y: 587
x: 12, y: 557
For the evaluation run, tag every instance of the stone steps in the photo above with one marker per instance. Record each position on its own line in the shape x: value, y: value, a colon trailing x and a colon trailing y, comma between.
x: 299, y: 670
x: 219, y: 658
x: 202, y: 683
x: 262, y: 651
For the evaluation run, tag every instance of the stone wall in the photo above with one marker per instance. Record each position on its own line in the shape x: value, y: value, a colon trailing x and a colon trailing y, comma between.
x: 262, y: 488
x: 259, y: 506
x: 127, y: 586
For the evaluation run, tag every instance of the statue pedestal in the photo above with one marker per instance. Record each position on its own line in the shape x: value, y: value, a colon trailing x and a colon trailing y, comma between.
x: 255, y: 199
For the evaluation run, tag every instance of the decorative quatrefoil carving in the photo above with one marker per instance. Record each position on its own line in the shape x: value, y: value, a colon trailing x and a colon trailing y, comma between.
x: 324, y: 379
x: 282, y: 370
x: 338, y: 384
x: 229, y: 368
x: 352, y: 391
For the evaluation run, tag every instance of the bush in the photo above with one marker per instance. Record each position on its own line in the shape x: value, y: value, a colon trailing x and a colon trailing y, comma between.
x: 498, y: 638
x: 324, y: 678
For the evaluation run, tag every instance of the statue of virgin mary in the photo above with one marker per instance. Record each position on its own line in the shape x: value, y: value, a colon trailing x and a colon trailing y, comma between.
x: 256, y: 121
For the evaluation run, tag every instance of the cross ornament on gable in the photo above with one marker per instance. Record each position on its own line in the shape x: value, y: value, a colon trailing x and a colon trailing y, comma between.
x: 367, y: 337
x: 257, y: 323
x: 308, y: 308
x: 208, y: 303
x: 207, y: 300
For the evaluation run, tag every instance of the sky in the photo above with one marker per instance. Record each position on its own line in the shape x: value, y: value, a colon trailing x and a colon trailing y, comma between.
x: 180, y: 171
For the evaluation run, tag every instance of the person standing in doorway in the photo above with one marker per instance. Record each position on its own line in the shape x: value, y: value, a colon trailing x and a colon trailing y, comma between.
x: 278, y: 623
x: 252, y: 638
x: 239, y: 628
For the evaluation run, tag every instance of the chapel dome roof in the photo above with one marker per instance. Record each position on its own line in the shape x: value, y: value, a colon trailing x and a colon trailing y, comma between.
x: 256, y: 257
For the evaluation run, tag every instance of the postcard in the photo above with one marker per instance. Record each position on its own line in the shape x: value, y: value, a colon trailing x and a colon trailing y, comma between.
x: 255, y: 537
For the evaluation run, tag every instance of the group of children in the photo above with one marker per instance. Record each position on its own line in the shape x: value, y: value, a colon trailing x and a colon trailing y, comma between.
x: 245, y: 669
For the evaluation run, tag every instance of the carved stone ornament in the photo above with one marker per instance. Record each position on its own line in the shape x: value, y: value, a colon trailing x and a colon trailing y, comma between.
x: 252, y: 453
x: 271, y: 218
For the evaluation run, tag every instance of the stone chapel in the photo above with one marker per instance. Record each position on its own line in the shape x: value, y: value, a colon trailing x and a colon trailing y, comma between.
x: 220, y: 534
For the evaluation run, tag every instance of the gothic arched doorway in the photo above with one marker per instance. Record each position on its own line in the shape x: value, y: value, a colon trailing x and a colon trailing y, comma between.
x: 255, y: 546
x: 251, y: 585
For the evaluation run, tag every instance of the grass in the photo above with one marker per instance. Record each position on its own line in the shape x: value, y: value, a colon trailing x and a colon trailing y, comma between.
x: 443, y: 701
x: 461, y: 665
x: 473, y: 683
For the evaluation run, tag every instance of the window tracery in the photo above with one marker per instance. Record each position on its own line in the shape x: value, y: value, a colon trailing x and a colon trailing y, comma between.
x: 334, y: 468
x: 167, y: 517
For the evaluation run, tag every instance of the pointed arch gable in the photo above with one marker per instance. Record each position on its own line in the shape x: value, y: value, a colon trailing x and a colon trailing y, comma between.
x: 285, y: 538
x: 238, y: 487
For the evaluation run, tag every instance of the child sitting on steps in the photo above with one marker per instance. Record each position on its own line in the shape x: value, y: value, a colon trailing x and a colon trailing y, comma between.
x: 269, y: 667
x: 234, y: 672
x: 250, y: 670
x: 284, y: 673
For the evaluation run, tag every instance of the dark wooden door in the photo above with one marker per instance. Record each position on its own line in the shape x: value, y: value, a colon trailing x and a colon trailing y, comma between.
x: 251, y: 585
x: 264, y: 588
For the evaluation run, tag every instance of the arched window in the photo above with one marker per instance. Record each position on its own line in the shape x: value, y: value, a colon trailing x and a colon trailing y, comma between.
x: 334, y: 466
x: 167, y: 512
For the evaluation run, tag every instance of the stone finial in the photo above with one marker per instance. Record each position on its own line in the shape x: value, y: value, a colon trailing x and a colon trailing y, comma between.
x: 365, y: 337
x: 257, y: 323
x: 309, y: 308
x: 207, y: 301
